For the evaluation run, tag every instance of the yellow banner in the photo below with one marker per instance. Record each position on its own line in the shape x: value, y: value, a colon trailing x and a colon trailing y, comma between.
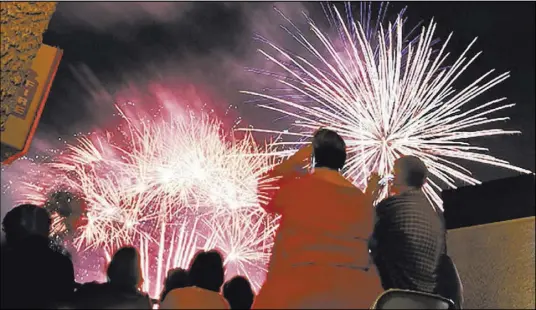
x: 24, y: 117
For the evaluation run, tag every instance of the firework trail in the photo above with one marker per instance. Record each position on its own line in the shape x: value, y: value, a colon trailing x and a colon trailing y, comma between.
x: 387, y: 96
x: 169, y: 185
x: 247, y: 238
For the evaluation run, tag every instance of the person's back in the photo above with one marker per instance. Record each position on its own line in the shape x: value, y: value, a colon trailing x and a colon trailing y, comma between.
x: 194, y: 297
x: 320, y: 255
x: 108, y: 296
x: 176, y: 278
x: 409, y: 236
x: 125, y: 280
x: 89, y: 295
x: 206, y: 275
x: 238, y: 293
x: 33, y: 274
x: 126, y: 298
x: 411, y: 244
x: 327, y: 225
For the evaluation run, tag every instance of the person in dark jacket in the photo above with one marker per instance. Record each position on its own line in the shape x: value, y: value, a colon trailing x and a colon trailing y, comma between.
x: 122, y: 291
x: 409, y: 237
x: 33, y: 274
x: 238, y: 293
x: 125, y: 279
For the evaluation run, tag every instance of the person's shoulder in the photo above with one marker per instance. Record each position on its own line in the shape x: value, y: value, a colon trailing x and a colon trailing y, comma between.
x: 143, y: 299
x: 62, y: 256
x: 295, y: 179
x: 89, y: 288
x: 359, y: 198
x: 224, y: 302
x: 60, y: 260
x: 180, y: 291
x: 388, y: 202
x: 215, y: 300
x: 187, y: 295
x: 404, y: 199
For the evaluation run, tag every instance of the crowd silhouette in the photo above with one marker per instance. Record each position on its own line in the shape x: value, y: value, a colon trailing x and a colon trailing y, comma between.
x: 333, y: 249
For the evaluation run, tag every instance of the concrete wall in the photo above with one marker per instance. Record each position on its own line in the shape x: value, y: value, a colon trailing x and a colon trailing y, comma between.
x: 496, y: 264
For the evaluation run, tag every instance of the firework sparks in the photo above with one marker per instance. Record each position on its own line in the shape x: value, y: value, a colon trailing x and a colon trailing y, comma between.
x: 139, y: 181
x: 387, y: 99
x: 247, y: 238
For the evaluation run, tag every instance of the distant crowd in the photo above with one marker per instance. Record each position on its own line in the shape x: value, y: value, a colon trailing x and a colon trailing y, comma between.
x: 333, y: 249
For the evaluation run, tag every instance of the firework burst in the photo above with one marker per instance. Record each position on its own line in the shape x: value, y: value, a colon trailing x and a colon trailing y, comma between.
x: 388, y: 96
x: 167, y: 185
x: 247, y: 238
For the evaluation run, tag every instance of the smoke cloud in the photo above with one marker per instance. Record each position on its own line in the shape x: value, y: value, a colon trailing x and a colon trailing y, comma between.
x: 115, y: 49
x: 104, y: 16
x: 122, y: 45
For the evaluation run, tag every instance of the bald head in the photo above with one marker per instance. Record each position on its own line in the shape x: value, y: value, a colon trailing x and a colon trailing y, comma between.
x: 410, y: 171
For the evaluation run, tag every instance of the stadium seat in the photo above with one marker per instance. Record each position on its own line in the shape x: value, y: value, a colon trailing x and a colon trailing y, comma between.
x: 406, y: 299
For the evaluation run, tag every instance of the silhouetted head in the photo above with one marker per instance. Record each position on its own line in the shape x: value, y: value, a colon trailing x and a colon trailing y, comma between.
x: 206, y: 271
x: 26, y: 220
x: 176, y: 278
x: 125, y: 268
x: 329, y: 150
x: 238, y: 293
x: 409, y: 172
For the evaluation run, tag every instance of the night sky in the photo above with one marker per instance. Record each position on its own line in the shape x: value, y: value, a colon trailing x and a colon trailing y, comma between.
x: 210, y: 44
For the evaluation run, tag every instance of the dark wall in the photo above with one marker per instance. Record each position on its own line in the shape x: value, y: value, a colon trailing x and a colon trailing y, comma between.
x: 496, y: 264
x: 490, y: 202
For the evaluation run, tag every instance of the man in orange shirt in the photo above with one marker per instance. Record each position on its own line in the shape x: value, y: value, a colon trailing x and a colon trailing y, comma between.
x: 320, y: 257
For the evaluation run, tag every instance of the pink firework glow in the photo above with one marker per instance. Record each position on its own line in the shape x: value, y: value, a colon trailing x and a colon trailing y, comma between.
x: 168, y: 181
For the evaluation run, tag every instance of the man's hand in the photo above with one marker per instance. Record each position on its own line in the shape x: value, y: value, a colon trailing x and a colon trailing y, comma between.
x: 294, y: 163
x: 373, y: 186
x: 304, y: 153
x: 319, y: 128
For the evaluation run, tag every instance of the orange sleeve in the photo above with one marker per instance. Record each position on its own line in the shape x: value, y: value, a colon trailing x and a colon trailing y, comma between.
x: 272, y: 203
x: 287, y: 170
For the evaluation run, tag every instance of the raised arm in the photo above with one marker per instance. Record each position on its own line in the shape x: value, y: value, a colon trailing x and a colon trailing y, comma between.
x: 291, y: 167
x: 295, y: 164
x: 372, y: 192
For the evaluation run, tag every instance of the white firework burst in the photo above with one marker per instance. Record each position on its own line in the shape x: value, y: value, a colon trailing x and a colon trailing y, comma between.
x: 158, y: 184
x: 390, y: 98
x: 246, y: 237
